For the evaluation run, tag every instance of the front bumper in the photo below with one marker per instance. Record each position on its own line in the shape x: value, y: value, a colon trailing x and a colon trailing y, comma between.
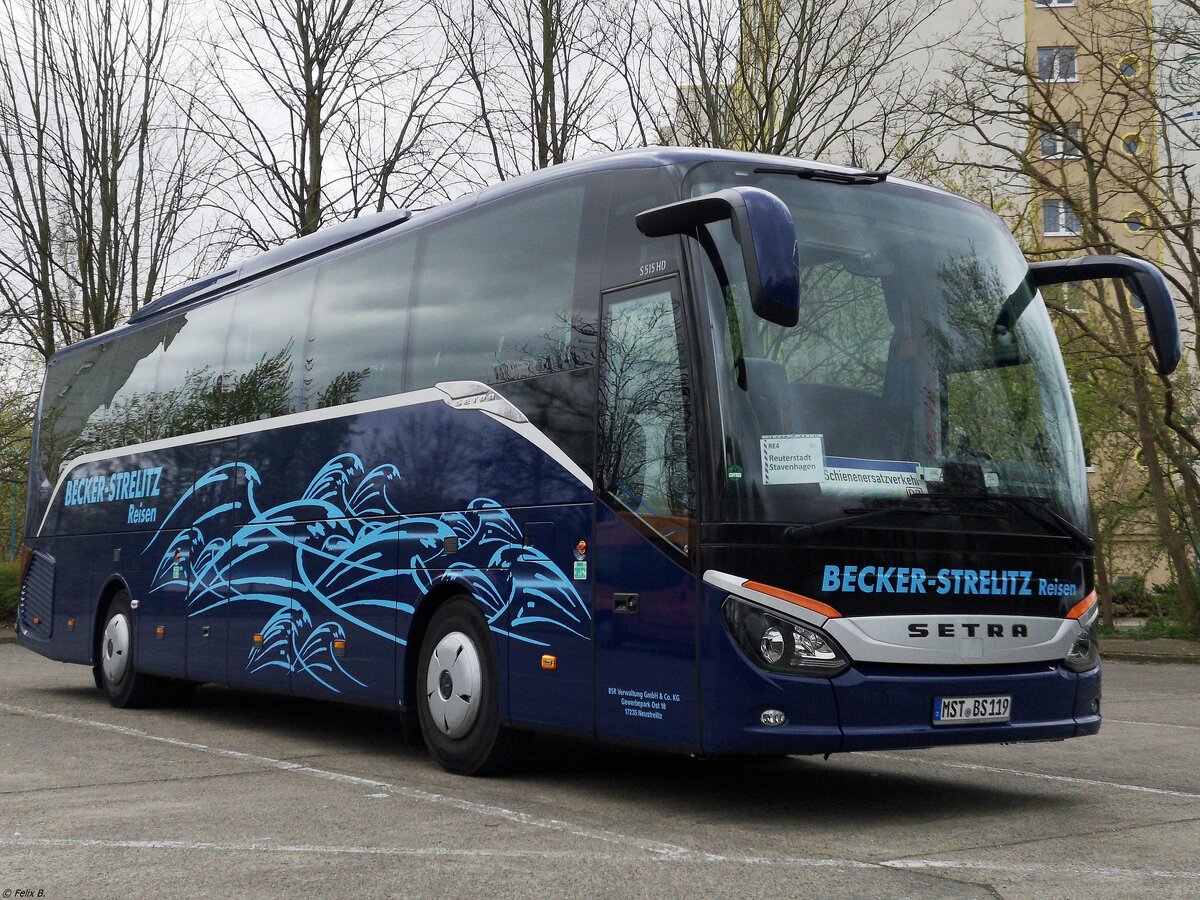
x: 880, y: 706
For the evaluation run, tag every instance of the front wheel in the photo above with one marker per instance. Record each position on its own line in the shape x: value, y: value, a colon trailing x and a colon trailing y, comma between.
x: 458, y: 698
x: 114, y: 670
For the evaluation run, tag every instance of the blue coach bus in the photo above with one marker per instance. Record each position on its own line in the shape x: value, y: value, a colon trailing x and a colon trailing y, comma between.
x: 702, y: 451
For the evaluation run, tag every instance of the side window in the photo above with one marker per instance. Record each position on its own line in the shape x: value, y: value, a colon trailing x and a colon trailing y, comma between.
x: 189, y: 376
x: 359, y: 323
x: 496, y: 291
x: 131, y: 413
x: 75, y: 390
x: 645, y: 430
x: 630, y: 256
x: 261, y: 375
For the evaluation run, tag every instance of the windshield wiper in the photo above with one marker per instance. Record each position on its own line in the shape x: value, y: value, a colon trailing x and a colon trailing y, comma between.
x: 1037, y: 508
x: 809, y: 529
x: 832, y: 176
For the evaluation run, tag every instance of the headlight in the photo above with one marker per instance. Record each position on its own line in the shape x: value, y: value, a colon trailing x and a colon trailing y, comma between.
x: 780, y: 644
x: 1085, y: 652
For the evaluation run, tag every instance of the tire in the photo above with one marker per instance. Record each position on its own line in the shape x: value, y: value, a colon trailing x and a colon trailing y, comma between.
x: 114, y: 670
x: 458, y: 695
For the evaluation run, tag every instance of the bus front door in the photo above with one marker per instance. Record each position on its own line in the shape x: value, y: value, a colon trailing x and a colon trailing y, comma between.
x: 644, y: 592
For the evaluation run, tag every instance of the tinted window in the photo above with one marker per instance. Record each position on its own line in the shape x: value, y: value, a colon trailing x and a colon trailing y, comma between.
x: 130, y: 412
x: 840, y: 310
x: 261, y: 375
x: 189, y: 374
x: 630, y: 256
x: 643, y: 443
x: 76, y: 387
x: 496, y: 290
x: 356, y: 342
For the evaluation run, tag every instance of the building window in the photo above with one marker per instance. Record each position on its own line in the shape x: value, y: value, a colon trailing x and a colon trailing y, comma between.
x: 1073, y: 297
x: 1137, y: 221
x: 1131, y: 143
x: 1060, y: 143
x: 1056, y: 63
x: 1130, y: 67
x: 1059, y: 218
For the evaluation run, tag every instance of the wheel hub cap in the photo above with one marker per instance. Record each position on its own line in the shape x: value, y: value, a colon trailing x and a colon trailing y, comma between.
x: 115, y: 658
x: 453, y: 684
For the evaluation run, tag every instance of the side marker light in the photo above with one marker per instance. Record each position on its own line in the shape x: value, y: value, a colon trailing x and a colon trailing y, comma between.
x: 1081, y: 608
x: 549, y: 662
x: 339, y: 648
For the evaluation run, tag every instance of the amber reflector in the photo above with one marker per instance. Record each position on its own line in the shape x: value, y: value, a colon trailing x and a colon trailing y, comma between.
x: 799, y: 599
x: 1078, y: 610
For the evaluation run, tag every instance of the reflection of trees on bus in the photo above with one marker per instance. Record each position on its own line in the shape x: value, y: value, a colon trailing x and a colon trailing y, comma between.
x: 986, y: 370
x: 909, y: 353
x: 643, y: 424
x: 208, y: 398
x: 570, y: 345
x: 842, y: 335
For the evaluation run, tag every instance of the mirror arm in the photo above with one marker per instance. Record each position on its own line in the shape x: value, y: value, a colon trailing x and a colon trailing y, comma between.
x: 1142, y: 279
x: 763, y: 227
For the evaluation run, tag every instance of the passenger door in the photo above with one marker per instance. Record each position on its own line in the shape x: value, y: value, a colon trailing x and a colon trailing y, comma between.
x: 645, y: 592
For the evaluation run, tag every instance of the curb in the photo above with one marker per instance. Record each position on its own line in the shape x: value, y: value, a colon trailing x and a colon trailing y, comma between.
x: 1187, y: 659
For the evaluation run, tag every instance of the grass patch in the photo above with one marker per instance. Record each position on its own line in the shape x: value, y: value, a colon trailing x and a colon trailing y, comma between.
x: 10, y: 589
x: 1155, y: 627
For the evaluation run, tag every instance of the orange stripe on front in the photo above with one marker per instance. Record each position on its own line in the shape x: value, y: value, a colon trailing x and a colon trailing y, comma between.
x: 1078, y: 610
x: 799, y: 599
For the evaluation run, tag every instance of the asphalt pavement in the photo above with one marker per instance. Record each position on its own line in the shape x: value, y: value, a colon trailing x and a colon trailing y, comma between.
x: 251, y: 796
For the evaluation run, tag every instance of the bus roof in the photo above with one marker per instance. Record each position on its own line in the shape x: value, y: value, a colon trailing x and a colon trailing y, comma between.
x: 342, y: 234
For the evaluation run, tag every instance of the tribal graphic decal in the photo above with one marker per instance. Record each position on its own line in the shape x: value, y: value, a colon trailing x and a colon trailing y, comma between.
x: 338, y: 559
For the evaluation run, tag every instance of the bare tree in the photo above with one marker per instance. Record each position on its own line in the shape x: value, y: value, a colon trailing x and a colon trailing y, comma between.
x: 100, y: 177
x: 325, y: 109
x: 1085, y: 146
x: 819, y: 78
x: 540, y: 87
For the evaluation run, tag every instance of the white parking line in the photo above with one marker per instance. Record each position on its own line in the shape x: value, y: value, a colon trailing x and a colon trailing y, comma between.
x: 656, y: 849
x: 1064, y: 870
x: 1067, y: 779
x: 687, y: 856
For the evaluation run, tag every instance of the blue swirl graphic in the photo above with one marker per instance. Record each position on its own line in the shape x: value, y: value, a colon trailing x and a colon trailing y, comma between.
x: 340, y: 532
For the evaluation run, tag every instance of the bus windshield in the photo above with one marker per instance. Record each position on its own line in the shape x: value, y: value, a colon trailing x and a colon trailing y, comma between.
x: 923, y: 363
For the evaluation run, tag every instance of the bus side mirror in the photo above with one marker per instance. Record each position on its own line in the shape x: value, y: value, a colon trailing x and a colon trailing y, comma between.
x: 1143, y: 280
x: 763, y: 227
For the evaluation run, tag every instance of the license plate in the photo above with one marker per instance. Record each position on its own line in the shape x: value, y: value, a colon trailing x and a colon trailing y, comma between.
x: 972, y: 710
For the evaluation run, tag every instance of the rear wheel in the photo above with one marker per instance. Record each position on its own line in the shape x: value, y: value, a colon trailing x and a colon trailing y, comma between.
x: 114, y: 670
x: 458, y: 700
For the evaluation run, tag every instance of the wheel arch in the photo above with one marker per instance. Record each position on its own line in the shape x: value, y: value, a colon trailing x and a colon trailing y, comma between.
x: 113, y: 586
